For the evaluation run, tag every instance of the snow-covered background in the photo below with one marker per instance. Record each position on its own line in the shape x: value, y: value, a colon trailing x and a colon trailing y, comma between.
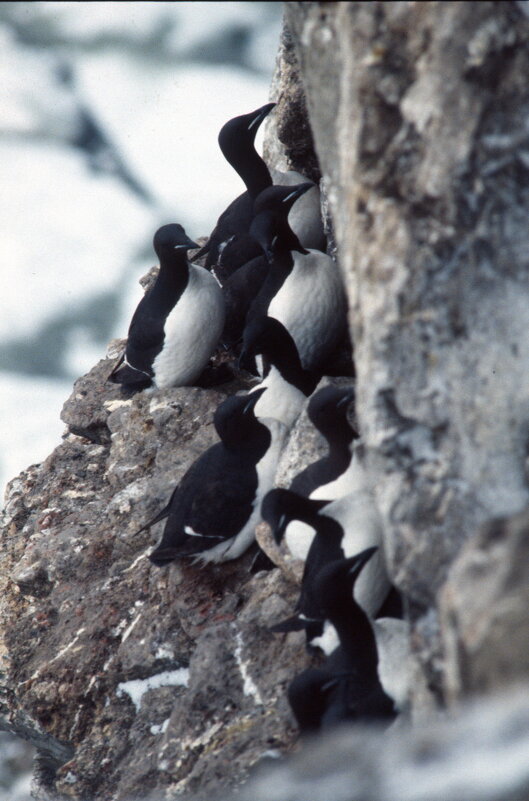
x: 109, y: 115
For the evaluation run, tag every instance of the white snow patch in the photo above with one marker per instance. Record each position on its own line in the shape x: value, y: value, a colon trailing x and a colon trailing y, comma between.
x: 160, y: 728
x: 66, y: 234
x: 164, y: 651
x: 136, y: 688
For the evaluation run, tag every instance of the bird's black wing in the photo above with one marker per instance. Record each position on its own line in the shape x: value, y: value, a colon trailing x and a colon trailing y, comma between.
x: 212, y: 503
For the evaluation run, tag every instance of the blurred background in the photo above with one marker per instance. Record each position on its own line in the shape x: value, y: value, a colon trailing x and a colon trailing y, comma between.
x: 109, y: 116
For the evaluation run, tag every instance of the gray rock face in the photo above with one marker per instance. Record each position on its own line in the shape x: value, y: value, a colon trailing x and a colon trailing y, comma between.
x: 418, y: 120
x: 484, y: 606
x: 139, y: 681
x: 161, y: 676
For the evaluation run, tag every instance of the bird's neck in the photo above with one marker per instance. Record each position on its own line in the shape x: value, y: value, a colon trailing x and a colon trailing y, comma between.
x: 339, y: 441
x: 252, y: 169
x: 356, y: 637
x: 285, y: 358
x: 280, y: 268
x: 173, y: 276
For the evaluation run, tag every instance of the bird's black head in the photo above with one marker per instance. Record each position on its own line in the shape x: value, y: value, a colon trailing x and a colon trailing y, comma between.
x: 279, y: 199
x: 270, y: 226
x: 281, y: 506
x: 266, y: 336
x: 171, y: 239
x: 235, y: 420
x: 328, y: 410
x: 241, y: 131
x: 335, y: 583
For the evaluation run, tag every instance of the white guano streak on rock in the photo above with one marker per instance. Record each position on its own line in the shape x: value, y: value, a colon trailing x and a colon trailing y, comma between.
x: 58, y: 656
x: 249, y: 686
x: 127, y: 631
x: 142, y: 555
x: 136, y: 688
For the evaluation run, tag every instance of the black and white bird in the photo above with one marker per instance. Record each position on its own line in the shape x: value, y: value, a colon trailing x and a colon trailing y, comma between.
x: 343, y: 528
x: 178, y: 322
x: 347, y: 687
x: 229, y: 246
x: 337, y: 473
x: 236, y: 141
x: 303, y: 289
x: 287, y: 384
x: 328, y: 411
x: 213, y: 511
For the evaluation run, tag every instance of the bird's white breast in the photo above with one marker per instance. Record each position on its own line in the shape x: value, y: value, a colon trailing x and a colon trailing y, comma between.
x: 351, y: 480
x: 311, y: 305
x: 358, y: 516
x: 394, y: 657
x: 281, y: 401
x: 192, y: 330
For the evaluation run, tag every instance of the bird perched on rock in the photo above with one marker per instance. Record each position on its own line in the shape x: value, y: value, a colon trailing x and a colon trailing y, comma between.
x: 178, y: 322
x: 337, y: 473
x: 303, y: 289
x: 213, y: 511
x: 347, y: 687
x: 236, y: 141
x: 288, y: 385
x: 328, y: 411
x: 343, y: 528
x: 229, y: 246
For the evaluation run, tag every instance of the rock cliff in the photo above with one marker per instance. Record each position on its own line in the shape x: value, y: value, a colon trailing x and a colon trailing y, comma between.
x: 139, y: 682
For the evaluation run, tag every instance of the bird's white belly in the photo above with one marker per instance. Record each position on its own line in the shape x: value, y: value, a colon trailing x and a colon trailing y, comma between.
x: 358, y: 516
x: 192, y: 330
x: 311, y: 306
x: 351, y: 480
x: 281, y: 401
x: 298, y: 537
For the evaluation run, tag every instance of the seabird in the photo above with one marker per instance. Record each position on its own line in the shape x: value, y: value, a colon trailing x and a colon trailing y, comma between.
x: 288, y: 385
x: 213, y: 511
x: 178, y: 322
x: 229, y: 246
x: 343, y: 528
x: 303, y: 289
x: 347, y: 687
x: 236, y: 141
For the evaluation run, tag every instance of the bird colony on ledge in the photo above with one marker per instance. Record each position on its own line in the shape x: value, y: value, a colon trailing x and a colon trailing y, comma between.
x: 270, y: 295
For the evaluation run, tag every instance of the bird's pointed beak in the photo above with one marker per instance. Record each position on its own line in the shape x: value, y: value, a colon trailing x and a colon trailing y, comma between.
x: 260, y: 114
x: 252, y: 399
x: 359, y: 561
x: 187, y: 245
x: 297, y: 192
